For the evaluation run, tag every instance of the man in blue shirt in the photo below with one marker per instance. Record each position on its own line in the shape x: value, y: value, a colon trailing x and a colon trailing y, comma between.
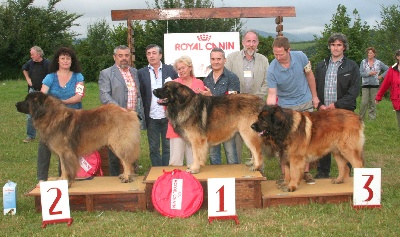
x: 291, y: 83
x: 221, y: 81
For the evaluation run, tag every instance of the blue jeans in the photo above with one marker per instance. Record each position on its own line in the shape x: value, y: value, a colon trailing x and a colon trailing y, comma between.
x: 230, y: 151
x: 156, y: 135
x: 30, y: 129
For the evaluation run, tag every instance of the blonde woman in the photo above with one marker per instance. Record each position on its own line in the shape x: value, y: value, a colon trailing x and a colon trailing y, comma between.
x: 179, y: 148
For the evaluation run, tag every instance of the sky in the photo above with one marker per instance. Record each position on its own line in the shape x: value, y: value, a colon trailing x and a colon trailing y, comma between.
x: 311, y: 15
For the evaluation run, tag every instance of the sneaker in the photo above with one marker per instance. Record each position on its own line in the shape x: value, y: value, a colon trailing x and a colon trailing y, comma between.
x: 322, y: 175
x: 308, y: 178
x: 28, y: 139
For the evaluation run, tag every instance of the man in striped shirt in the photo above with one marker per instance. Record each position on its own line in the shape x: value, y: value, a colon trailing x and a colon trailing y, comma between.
x: 119, y: 84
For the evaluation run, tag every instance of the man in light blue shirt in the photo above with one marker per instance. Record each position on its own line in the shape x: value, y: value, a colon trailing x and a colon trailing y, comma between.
x: 291, y: 84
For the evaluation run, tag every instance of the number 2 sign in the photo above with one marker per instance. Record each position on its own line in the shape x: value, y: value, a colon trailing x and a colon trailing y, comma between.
x: 367, y: 187
x: 55, y: 202
x: 221, y: 199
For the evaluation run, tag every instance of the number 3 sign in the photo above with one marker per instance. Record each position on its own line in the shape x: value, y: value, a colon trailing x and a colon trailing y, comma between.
x: 55, y: 202
x: 221, y: 199
x: 367, y: 187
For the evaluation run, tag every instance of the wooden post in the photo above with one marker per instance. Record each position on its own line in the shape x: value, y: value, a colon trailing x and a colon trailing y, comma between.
x: 130, y: 41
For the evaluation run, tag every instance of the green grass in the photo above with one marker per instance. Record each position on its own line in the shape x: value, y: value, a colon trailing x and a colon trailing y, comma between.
x: 18, y: 163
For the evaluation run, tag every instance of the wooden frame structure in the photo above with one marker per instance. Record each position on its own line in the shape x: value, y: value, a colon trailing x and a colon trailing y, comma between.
x: 200, y: 13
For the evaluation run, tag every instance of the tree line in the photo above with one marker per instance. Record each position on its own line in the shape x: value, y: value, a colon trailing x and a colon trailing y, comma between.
x: 24, y: 25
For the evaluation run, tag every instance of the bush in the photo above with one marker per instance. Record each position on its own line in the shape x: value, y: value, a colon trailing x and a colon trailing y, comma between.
x: 92, y: 66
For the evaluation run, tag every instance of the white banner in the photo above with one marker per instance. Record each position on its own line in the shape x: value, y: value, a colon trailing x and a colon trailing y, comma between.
x: 198, y: 46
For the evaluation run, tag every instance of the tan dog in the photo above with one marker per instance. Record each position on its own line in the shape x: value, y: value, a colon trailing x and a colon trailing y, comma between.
x: 301, y: 137
x: 205, y: 121
x: 71, y: 133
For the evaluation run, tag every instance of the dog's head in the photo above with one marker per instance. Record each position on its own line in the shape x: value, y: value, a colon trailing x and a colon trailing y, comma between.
x: 173, y: 92
x: 33, y: 104
x: 272, y: 120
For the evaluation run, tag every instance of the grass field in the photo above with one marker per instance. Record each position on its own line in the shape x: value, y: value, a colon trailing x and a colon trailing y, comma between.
x: 18, y: 163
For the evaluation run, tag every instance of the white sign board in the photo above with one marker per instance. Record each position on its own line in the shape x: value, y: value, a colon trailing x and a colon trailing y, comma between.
x: 221, y: 197
x: 198, y: 46
x: 367, y: 187
x: 55, y: 200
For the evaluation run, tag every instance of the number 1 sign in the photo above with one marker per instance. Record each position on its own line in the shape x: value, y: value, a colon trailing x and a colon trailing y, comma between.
x: 221, y: 199
x: 55, y: 202
x: 367, y: 187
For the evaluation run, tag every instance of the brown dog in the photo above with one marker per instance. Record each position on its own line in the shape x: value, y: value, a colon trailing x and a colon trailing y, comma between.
x: 205, y: 121
x: 71, y: 133
x: 302, y: 137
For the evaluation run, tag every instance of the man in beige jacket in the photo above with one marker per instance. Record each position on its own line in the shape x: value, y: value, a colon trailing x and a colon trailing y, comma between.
x: 251, y: 68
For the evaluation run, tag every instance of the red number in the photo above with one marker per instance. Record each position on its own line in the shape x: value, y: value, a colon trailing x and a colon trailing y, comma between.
x: 53, y: 206
x: 221, y: 199
x: 366, y: 186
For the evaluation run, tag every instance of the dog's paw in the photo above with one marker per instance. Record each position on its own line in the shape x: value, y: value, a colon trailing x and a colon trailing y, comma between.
x: 284, y: 188
x: 253, y: 168
x: 192, y: 171
x: 127, y: 178
x: 124, y: 180
x: 288, y: 188
x: 337, y: 181
x: 132, y: 177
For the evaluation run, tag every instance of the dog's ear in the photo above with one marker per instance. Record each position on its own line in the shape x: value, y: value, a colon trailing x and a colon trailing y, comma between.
x: 183, y: 94
x: 278, y: 118
x: 37, y: 104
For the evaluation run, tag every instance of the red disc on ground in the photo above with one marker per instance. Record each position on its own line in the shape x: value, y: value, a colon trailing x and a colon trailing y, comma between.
x: 177, y: 194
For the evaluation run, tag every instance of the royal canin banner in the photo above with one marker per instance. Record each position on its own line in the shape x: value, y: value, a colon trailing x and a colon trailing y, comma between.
x: 198, y: 47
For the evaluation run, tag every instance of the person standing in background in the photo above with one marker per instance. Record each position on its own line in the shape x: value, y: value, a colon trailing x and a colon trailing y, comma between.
x: 151, y: 77
x: 34, y: 71
x: 65, y: 82
x: 291, y: 85
x: 221, y: 81
x: 251, y: 68
x: 392, y: 81
x: 338, y: 85
x: 119, y: 84
x: 179, y: 148
x: 370, y: 68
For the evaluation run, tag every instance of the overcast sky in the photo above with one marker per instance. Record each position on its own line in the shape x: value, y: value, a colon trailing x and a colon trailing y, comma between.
x: 311, y: 15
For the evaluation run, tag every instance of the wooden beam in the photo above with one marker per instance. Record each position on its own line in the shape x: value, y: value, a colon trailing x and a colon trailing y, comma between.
x: 202, y: 13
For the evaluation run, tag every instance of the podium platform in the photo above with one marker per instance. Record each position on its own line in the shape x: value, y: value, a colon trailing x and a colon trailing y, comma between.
x: 248, y: 183
x: 102, y: 193
x: 252, y: 190
x: 323, y: 191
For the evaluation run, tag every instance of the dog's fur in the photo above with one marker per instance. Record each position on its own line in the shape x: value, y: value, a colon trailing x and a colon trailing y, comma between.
x: 71, y: 133
x: 302, y: 137
x: 206, y: 121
